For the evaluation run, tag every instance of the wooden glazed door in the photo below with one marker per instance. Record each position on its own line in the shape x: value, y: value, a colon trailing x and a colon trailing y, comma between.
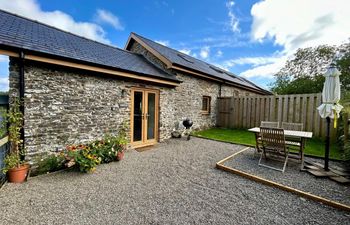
x: 144, y: 117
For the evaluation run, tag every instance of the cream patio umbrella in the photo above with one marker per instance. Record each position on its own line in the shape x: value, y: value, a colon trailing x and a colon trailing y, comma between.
x: 330, y: 107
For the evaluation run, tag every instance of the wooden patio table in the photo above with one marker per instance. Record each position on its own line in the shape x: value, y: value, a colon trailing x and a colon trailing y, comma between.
x: 303, y: 135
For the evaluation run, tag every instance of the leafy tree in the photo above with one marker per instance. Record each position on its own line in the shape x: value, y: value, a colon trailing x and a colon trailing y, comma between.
x: 343, y: 65
x: 301, y: 85
x: 304, y: 73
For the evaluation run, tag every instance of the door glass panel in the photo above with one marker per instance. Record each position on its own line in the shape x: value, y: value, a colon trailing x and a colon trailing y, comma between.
x: 137, y: 116
x: 151, y: 116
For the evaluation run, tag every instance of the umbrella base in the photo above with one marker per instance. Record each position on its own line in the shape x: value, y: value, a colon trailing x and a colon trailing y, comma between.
x: 337, y: 174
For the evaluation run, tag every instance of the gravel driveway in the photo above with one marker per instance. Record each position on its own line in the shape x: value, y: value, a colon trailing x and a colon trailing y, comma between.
x: 174, y: 183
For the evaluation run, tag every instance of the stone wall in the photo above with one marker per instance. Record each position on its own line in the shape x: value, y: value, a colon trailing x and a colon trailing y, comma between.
x: 139, y: 49
x: 70, y: 107
x: 228, y: 91
x: 64, y: 106
x: 190, y: 92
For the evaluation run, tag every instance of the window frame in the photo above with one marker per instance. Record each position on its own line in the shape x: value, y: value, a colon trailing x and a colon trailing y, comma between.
x: 206, y: 111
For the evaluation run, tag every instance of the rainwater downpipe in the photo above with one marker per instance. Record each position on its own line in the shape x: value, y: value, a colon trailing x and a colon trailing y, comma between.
x: 21, y: 94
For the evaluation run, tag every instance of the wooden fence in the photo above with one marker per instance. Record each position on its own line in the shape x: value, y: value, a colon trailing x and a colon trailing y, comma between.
x: 4, y: 149
x: 247, y: 112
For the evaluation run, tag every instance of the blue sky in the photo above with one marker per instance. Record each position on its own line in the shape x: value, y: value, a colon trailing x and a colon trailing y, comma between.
x: 250, y: 38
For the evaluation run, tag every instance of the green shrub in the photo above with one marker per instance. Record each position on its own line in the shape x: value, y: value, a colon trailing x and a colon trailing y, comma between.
x: 50, y: 163
x: 347, y: 151
x: 12, y: 160
x: 109, y: 146
x: 83, y: 157
x: 106, y: 148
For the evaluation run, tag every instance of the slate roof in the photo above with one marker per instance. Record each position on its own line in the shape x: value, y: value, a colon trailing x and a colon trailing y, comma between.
x: 186, y: 61
x: 22, y: 33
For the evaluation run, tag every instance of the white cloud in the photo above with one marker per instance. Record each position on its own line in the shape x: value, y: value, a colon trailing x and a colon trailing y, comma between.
x: 104, y: 16
x: 185, y: 51
x: 264, y: 67
x: 59, y: 19
x: 204, y: 53
x: 254, y: 61
x: 219, y: 53
x: 234, y: 22
x: 295, y: 24
x: 265, y: 70
x: 163, y: 42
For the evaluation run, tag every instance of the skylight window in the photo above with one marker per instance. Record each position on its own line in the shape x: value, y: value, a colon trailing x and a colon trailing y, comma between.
x: 230, y: 74
x: 216, y: 69
x: 185, y: 58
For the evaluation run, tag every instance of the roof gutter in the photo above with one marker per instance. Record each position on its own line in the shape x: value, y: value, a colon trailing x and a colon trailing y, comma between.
x: 77, y: 65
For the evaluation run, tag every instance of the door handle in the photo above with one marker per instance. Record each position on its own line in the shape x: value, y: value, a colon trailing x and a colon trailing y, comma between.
x: 145, y: 116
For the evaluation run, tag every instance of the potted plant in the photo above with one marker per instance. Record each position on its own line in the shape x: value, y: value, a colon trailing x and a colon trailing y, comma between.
x: 120, y: 154
x: 16, y: 169
x: 121, y: 142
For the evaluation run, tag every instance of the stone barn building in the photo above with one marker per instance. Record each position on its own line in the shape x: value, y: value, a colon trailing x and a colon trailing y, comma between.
x: 75, y: 89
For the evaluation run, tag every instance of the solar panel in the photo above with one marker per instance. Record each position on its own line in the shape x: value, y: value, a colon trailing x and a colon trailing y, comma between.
x: 216, y: 69
x: 185, y: 58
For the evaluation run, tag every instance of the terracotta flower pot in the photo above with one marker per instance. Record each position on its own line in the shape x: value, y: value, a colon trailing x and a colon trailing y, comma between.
x: 18, y: 174
x: 120, y: 155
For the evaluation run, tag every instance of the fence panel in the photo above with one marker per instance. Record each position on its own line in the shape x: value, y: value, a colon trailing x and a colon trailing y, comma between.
x: 247, y: 112
x: 4, y: 149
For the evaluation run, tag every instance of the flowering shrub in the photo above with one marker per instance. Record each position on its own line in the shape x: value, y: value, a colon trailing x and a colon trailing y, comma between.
x: 86, y: 156
x: 82, y: 156
x: 106, y: 148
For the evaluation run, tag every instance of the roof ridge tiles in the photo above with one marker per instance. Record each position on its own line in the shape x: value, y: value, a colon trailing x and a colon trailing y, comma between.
x: 170, y: 48
x: 67, y: 32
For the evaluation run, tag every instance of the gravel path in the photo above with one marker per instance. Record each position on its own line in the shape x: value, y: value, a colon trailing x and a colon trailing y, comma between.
x: 174, y: 183
x: 247, y: 161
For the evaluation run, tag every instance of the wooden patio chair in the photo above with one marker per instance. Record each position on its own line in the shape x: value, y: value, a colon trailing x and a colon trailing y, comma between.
x: 273, y: 144
x: 269, y: 124
x: 294, y: 142
x: 257, y: 135
x: 293, y: 126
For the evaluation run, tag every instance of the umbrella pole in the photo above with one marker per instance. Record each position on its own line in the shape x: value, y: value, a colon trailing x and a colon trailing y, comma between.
x: 326, y: 157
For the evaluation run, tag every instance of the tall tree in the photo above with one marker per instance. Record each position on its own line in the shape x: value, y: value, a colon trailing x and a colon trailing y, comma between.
x: 304, y: 73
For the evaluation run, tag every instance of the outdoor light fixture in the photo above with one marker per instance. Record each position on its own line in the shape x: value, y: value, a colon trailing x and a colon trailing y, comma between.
x: 123, y: 93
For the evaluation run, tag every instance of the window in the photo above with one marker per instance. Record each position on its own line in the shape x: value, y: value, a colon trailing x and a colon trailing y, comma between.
x: 184, y: 57
x: 216, y: 69
x: 206, y: 104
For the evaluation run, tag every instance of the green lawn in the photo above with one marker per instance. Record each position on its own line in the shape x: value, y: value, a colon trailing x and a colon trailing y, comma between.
x: 314, y: 147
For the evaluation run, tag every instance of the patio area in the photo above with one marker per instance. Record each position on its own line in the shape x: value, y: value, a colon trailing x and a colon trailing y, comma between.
x: 174, y: 183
